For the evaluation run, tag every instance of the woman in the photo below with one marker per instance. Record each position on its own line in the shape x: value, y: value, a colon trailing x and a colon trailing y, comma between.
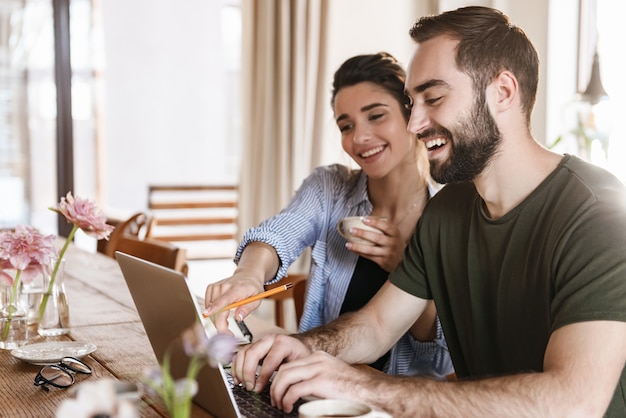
x: 392, y: 186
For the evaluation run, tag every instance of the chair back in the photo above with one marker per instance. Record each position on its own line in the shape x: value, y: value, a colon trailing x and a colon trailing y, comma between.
x: 127, y: 238
x: 158, y: 252
x: 200, y: 218
x: 132, y: 226
x: 297, y: 293
x: 299, y: 290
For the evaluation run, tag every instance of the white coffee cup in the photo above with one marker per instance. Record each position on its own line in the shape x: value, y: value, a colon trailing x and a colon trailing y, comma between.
x: 326, y: 408
x: 345, y: 224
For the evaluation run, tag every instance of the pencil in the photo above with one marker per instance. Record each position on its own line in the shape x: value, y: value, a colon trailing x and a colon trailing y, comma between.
x: 261, y: 295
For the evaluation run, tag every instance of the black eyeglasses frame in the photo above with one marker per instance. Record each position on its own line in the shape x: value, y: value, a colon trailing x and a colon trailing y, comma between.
x: 67, y: 367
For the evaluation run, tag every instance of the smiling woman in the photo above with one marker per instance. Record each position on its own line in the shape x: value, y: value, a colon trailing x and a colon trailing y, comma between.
x: 389, y: 191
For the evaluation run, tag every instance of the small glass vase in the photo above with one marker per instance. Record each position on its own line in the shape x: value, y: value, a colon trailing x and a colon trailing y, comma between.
x: 31, y: 293
x: 55, y: 318
x: 13, y: 327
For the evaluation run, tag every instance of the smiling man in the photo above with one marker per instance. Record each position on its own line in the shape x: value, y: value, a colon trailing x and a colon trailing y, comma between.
x: 523, y: 252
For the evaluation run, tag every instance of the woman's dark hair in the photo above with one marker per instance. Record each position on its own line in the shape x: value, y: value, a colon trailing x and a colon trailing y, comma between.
x: 381, y: 69
x: 488, y: 44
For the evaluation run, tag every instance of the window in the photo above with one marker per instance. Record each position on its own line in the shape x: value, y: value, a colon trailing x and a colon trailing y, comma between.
x: 611, y: 51
x: 154, y: 103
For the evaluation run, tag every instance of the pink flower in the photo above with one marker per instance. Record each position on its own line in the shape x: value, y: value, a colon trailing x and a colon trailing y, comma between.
x: 5, y: 278
x: 26, y: 248
x: 33, y: 270
x: 27, y: 276
x: 84, y: 214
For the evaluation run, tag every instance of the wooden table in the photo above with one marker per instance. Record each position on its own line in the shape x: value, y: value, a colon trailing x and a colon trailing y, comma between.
x: 101, y: 312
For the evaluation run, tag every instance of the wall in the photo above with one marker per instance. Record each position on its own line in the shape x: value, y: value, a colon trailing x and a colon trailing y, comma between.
x: 368, y: 31
x: 533, y: 17
x: 164, y: 116
x: 164, y: 95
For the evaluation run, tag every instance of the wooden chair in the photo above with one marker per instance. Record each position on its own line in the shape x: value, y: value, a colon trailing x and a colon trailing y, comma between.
x: 126, y: 237
x: 296, y: 293
x: 132, y: 226
x: 299, y: 290
x: 158, y: 252
x: 199, y: 218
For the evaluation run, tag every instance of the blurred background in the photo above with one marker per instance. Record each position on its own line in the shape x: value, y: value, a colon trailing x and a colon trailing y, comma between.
x: 107, y: 97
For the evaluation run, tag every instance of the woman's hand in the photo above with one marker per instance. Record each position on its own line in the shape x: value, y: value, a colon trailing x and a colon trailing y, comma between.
x: 218, y: 295
x: 389, y: 246
x: 258, y: 263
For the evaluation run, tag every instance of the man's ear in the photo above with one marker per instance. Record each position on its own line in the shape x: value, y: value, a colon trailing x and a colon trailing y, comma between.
x: 505, y: 91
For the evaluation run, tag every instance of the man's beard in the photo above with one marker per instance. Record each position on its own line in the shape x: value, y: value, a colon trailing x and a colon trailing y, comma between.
x: 471, y: 149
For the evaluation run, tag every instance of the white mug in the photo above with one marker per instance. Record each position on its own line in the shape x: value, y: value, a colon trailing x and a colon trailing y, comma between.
x: 326, y: 408
x: 345, y: 224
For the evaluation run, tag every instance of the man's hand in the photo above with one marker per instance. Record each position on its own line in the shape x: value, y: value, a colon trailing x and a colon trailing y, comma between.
x: 320, y: 375
x: 270, y: 351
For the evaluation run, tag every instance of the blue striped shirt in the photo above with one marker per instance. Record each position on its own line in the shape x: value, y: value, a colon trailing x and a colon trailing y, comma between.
x: 328, y: 194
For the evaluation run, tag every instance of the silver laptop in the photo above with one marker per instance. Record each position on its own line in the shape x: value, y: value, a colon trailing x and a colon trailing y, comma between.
x: 167, y: 307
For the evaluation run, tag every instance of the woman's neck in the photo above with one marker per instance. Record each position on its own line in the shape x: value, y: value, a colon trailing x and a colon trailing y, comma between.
x: 396, y: 197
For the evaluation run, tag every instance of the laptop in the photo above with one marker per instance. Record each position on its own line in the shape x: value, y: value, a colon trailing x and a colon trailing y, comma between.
x: 167, y: 307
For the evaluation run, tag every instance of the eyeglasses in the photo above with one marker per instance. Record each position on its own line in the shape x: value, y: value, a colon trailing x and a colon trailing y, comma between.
x: 61, y: 375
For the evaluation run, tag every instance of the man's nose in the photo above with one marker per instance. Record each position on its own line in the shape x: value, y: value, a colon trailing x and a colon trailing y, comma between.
x: 418, y: 120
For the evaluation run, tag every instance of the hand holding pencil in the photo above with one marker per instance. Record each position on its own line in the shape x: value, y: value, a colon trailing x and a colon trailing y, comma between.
x: 254, y: 298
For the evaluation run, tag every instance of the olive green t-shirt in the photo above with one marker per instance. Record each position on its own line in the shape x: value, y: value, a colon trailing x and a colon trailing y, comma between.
x: 503, y: 286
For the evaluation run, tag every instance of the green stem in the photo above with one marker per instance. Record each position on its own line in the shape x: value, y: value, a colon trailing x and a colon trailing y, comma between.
x: 169, y: 394
x: 44, y: 301
x: 7, y: 326
x: 180, y: 406
x: 192, y: 373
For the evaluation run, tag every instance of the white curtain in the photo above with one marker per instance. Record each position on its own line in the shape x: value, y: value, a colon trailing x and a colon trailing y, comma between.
x: 284, y: 99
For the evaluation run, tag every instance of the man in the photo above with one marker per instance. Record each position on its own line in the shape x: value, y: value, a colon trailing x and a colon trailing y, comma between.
x: 523, y: 252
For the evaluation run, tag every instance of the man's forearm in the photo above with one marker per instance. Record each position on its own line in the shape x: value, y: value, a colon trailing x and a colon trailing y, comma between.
x: 365, y: 335
x: 348, y: 337
x: 524, y: 395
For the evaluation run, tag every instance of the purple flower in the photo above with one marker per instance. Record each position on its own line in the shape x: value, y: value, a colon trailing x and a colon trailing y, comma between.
x: 152, y: 380
x: 220, y: 348
x: 176, y: 394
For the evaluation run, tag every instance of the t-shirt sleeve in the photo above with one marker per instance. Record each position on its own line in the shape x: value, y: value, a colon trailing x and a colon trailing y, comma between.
x: 590, y: 279
x: 409, y: 275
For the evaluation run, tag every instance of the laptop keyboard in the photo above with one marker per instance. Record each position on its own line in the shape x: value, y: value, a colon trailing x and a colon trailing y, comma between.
x: 252, y: 404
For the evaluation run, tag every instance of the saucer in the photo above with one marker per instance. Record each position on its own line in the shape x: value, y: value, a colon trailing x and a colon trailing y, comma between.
x: 52, y: 352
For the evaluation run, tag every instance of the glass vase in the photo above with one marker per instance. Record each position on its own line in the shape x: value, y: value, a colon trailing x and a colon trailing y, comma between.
x: 54, y: 317
x: 13, y: 328
x: 31, y: 293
